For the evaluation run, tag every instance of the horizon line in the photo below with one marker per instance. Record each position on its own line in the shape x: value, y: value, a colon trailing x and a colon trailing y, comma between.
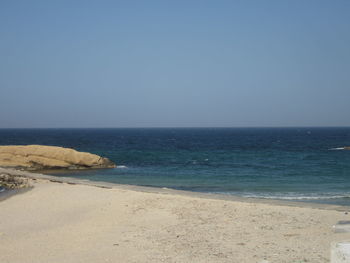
x: 173, y: 127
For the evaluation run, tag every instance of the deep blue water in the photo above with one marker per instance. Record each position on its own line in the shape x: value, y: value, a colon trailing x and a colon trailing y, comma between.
x: 285, y: 163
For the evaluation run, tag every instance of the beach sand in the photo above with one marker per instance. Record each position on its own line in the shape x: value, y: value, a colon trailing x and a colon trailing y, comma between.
x: 61, y: 222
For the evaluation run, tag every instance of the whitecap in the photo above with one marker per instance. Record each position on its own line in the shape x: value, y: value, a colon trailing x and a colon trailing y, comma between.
x: 337, y: 149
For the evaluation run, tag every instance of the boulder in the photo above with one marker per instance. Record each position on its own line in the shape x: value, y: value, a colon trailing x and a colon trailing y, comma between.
x: 40, y: 157
x: 11, y: 181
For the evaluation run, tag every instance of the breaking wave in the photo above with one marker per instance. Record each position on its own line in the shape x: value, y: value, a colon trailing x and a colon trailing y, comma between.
x: 293, y: 196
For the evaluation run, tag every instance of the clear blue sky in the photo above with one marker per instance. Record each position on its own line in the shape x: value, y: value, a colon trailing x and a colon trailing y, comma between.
x: 174, y: 63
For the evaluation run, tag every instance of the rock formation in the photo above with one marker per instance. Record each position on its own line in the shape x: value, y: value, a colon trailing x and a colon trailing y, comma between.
x: 11, y: 181
x: 40, y: 157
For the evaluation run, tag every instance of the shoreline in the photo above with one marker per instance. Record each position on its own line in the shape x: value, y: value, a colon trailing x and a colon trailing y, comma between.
x: 83, y: 221
x: 169, y: 191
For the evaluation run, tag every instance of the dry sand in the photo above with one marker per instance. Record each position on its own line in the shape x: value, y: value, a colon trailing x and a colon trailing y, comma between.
x: 60, y: 222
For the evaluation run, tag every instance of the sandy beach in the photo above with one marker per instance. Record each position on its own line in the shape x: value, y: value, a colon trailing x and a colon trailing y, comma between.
x: 175, y: 131
x: 69, y: 222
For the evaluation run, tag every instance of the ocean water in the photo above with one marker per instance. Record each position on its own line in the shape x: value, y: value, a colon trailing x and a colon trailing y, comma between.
x: 303, y: 164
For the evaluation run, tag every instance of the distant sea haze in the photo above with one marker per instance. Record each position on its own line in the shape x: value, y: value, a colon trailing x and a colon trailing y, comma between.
x: 302, y: 164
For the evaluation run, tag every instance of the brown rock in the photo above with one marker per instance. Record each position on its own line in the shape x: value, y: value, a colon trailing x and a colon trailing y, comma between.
x: 38, y: 157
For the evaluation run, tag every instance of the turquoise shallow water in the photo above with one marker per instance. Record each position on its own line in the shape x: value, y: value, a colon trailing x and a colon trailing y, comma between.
x: 281, y: 163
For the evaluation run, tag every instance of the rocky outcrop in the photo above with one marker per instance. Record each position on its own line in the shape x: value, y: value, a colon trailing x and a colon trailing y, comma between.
x: 11, y: 181
x: 40, y: 157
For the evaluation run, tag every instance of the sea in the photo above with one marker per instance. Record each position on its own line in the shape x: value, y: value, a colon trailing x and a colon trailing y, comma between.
x: 298, y: 164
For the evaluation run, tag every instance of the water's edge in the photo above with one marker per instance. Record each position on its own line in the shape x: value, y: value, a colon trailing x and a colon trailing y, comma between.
x: 277, y: 163
x: 169, y: 191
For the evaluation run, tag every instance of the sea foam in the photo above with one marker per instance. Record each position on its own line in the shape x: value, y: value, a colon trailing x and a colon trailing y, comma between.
x: 290, y: 196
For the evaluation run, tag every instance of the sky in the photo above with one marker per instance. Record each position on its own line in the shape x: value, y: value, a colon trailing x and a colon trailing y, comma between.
x: 174, y: 63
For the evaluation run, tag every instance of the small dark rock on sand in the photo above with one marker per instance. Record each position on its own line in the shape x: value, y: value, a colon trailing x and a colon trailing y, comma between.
x: 13, y: 181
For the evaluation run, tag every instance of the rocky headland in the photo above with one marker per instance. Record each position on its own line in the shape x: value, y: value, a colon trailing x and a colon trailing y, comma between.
x: 41, y: 157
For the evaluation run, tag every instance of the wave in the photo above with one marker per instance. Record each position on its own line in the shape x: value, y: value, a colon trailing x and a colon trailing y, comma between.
x: 299, y: 197
x: 337, y: 149
x: 121, y: 167
x: 340, y: 148
x: 2, y: 189
x: 291, y: 196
